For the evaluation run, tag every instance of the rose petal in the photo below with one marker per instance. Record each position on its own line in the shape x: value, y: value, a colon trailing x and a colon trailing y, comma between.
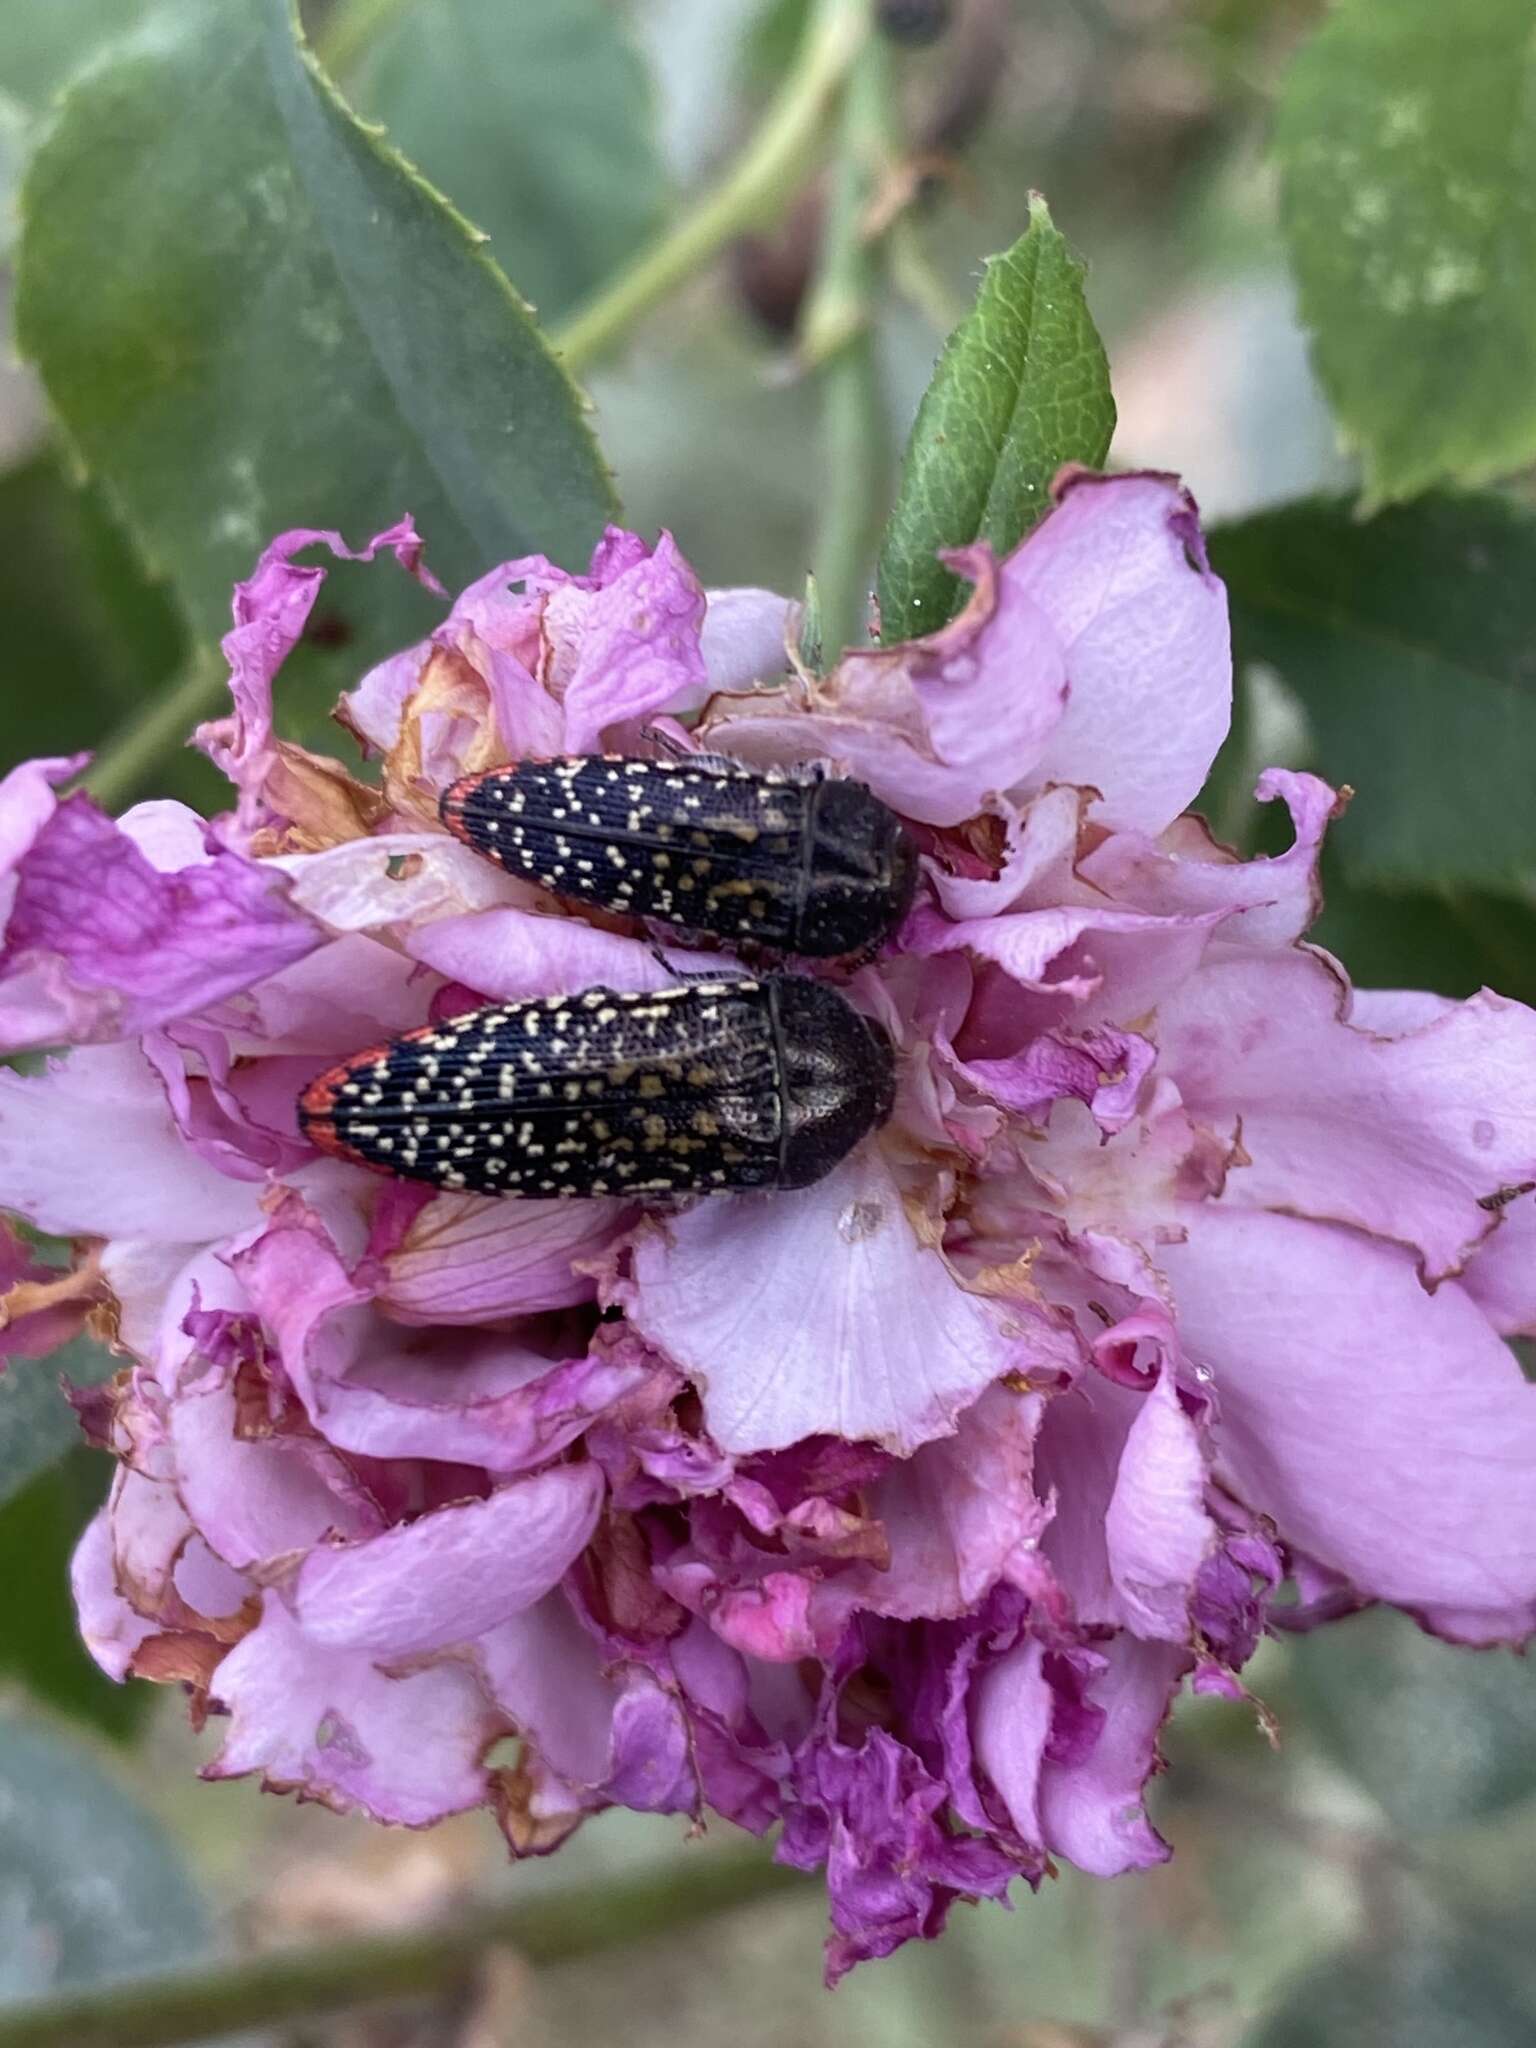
x: 630, y: 648
x: 89, y: 1148
x: 508, y: 954
x: 329, y: 1724
x: 887, y: 1346
x: 469, y: 1259
x: 453, y: 1574
x: 743, y: 637
x: 1091, y: 1809
x: 111, y: 1628
x: 1389, y: 1433
x: 1402, y: 1136
x: 101, y: 945
x: 394, y: 879
x: 1119, y: 570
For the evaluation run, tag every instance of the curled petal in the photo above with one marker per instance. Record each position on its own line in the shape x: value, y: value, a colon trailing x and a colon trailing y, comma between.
x: 394, y: 879
x: 111, y: 1628
x: 1273, y: 901
x: 744, y: 636
x: 1091, y: 1806
x: 1404, y: 1135
x: 1119, y: 570
x: 100, y: 944
x: 329, y: 1724
x: 628, y: 649
x: 271, y: 611
x: 1157, y: 1533
x: 453, y: 1574
x: 468, y: 1259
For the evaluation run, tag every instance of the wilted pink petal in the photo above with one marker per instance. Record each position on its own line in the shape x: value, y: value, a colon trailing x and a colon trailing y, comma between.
x: 111, y: 1628
x: 330, y: 1724
x: 1405, y: 1136
x: 509, y: 953
x: 629, y: 648
x: 469, y: 1259
x: 394, y: 880
x: 1389, y: 1432
x: 1119, y: 569
x: 743, y: 637
x: 887, y: 1346
x: 271, y: 612
x: 90, y: 1148
x: 453, y: 1574
x: 101, y: 945
x: 1157, y: 1533
x: 1091, y: 1807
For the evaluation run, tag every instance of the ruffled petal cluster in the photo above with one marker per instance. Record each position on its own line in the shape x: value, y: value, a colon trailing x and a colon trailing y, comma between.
x: 890, y: 1515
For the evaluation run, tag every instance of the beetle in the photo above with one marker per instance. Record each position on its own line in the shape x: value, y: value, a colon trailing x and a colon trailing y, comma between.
x: 788, y: 860
x: 707, y: 1088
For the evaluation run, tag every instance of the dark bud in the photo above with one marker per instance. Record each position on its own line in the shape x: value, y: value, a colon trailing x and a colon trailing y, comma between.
x: 914, y: 23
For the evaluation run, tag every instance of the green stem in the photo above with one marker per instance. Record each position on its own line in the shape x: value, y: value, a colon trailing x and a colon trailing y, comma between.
x: 838, y: 338
x: 124, y: 763
x: 349, y: 28
x: 290, y: 1984
x: 767, y: 175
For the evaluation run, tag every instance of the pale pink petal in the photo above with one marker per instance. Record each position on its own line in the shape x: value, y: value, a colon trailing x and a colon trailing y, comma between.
x: 394, y: 879
x: 939, y: 728
x: 1039, y: 853
x: 633, y: 646
x: 101, y: 945
x: 1157, y: 1532
x: 111, y: 1628
x: 453, y: 1574
x: 1119, y: 570
x: 1273, y: 900
x: 27, y: 802
x: 510, y: 953
x: 254, y: 1501
x: 468, y: 1259
x: 1390, y: 1433
x: 885, y: 1345
x: 1091, y: 1809
x: 544, y: 1672
x: 1405, y: 1136
x: 329, y: 1724
x: 1011, y: 1712
x: 271, y: 611
x: 1502, y: 1277
x: 90, y: 1148
x: 743, y: 637
x: 1071, y: 950
x: 350, y: 992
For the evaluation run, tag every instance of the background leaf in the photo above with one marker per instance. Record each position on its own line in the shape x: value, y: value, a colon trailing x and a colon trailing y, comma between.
x: 37, y: 1424
x: 90, y: 1885
x: 1410, y: 641
x: 40, y: 1646
x: 1402, y: 1994
x: 41, y: 46
x: 285, y: 327
x: 538, y: 124
x: 1407, y: 144
x: 1021, y: 388
x: 1435, y: 1734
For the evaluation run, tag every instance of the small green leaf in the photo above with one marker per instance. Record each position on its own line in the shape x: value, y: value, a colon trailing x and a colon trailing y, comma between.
x: 1021, y: 388
x: 91, y: 1887
x: 37, y: 1424
x: 1407, y: 144
x: 285, y: 327
x: 1437, y: 1735
x: 539, y: 125
x: 1410, y: 641
x: 41, y: 1647
x: 1420, y: 1993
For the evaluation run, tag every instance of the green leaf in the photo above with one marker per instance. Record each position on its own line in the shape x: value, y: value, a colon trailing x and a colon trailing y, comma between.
x: 1437, y: 1735
x: 539, y: 127
x: 88, y: 635
x: 1407, y: 144
x: 91, y: 1887
x: 1410, y: 641
x: 1021, y: 388
x: 37, y: 1424
x: 1452, y: 945
x: 1423, y: 1993
x: 41, y: 1647
x: 285, y: 327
